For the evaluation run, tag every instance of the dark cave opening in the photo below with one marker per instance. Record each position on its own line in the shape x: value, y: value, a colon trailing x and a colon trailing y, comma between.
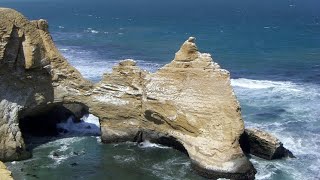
x: 159, y: 138
x: 43, y: 121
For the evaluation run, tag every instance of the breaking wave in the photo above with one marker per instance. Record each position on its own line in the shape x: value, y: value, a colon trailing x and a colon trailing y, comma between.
x: 93, y: 65
x: 148, y: 144
x: 291, y: 112
x: 89, y: 125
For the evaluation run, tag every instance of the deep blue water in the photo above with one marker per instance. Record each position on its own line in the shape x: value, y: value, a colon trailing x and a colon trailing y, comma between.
x: 271, y: 48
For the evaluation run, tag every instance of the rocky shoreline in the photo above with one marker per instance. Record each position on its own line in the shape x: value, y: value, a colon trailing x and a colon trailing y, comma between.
x: 188, y: 104
x: 5, y: 174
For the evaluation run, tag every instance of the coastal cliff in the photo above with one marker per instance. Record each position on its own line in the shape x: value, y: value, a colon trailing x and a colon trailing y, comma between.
x: 188, y: 104
x: 33, y: 75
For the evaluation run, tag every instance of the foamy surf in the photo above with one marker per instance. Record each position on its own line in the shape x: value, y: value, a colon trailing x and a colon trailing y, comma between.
x: 164, y: 169
x: 284, y: 109
x: 263, y: 84
x: 89, y: 125
x: 148, y: 144
x: 62, y: 149
x: 98, y: 65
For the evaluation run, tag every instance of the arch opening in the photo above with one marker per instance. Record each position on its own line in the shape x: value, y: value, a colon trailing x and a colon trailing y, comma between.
x: 159, y: 138
x: 56, y: 121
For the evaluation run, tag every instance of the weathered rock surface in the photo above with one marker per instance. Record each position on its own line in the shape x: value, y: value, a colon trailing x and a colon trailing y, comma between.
x: 188, y: 104
x: 4, y: 173
x: 192, y: 100
x: 263, y: 144
x: 33, y: 77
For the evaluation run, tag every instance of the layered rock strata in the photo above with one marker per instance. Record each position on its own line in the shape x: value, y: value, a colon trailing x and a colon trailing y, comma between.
x: 33, y: 75
x: 188, y: 104
x: 263, y: 145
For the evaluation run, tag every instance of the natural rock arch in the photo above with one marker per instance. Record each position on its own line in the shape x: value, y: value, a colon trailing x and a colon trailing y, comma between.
x: 189, y: 101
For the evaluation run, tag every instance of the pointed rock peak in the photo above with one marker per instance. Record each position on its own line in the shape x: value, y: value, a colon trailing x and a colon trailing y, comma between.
x: 188, y: 51
x: 128, y: 62
x: 43, y: 25
x: 191, y: 39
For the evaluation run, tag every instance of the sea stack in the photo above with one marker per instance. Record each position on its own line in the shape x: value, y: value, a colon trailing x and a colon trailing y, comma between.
x: 263, y: 145
x: 188, y: 104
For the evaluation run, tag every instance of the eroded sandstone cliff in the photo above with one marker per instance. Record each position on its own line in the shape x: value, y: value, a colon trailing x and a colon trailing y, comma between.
x: 33, y: 77
x: 188, y: 104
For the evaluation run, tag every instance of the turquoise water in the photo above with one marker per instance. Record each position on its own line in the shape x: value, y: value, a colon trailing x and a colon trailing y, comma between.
x: 271, y: 48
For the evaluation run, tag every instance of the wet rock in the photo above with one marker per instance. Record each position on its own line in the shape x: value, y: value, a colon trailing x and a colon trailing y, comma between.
x: 74, y: 164
x: 55, y: 154
x: 263, y: 145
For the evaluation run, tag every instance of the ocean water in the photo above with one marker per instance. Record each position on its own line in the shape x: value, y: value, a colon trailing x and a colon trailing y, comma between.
x: 271, y: 48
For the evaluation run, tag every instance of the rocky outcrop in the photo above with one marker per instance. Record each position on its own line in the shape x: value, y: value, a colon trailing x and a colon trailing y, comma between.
x: 263, y: 145
x: 4, y: 173
x: 192, y: 100
x: 33, y: 77
x: 189, y: 100
x: 188, y: 104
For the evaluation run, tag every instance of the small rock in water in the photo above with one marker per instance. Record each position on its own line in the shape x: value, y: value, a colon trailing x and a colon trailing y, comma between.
x: 88, y: 127
x: 55, y: 154
x: 75, y: 153
x: 83, y: 152
x: 35, y: 176
x: 62, y: 131
x: 74, y: 164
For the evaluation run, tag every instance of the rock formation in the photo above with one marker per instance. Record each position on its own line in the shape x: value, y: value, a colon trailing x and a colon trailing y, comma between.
x: 33, y: 75
x: 263, y: 145
x: 188, y: 104
x: 4, y: 173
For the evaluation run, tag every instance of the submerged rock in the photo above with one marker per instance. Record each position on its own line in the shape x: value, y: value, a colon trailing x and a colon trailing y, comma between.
x: 55, y: 154
x: 74, y: 164
x: 263, y: 145
x: 188, y: 104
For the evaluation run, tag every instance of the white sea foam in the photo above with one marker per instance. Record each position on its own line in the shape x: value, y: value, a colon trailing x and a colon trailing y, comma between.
x: 295, y: 120
x: 124, y: 158
x: 90, y: 30
x: 89, y: 125
x: 89, y: 63
x: 262, y: 84
x: 171, y: 168
x: 64, y: 49
x: 93, y: 66
x: 64, y: 152
x: 148, y: 144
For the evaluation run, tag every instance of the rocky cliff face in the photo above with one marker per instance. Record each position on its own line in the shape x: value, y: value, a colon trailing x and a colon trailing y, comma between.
x: 33, y: 77
x: 263, y: 145
x: 188, y: 104
x: 4, y: 173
